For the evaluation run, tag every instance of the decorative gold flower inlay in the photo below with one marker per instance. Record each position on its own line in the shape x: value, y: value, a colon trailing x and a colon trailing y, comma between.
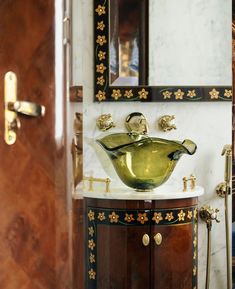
x: 195, y: 242
x: 100, y: 68
x: 91, y: 215
x: 100, y: 25
x: 91, y: 244
x: 101, y: 55
x: 157, y: 217
x: 100, y: 10
x: 181, y: 215
x: 116, y: 94
x: 129, y: 218
x: 142, y: 218
x: 91, y: 231
x: 92, y: 258
x: 190, y: 215
x: 195, y: 213
x: 128, y: 93
x: 143, y: 94
x: 101, y: 216
x: 101, y: 40
x: 167, y: 94
x: 191, y: 93
x: 100, y: 80
x: 92, y: 274
x: 194, y: 271
x: 214, y: 94
x: 179, y: 94
x: 169, y: 216
x: 113, y: 217
x: 195, y: 255
x: 195, y: 228
x: 101, y: 95
x: 228, y: 93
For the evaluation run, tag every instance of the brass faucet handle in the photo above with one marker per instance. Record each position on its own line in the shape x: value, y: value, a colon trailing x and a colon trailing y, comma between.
x: 105, y: 122
x: 166, y: 122
x: 208, y: 214
x: 227, y: 150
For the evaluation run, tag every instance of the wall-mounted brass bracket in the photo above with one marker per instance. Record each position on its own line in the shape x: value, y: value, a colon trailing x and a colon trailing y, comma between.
x: 91, y: 181
x: 208, y: 214
x: 192, y: 179
x: 166, y: 122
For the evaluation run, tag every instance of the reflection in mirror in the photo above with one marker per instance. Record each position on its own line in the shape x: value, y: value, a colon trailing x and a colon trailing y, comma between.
x: 128, y: 42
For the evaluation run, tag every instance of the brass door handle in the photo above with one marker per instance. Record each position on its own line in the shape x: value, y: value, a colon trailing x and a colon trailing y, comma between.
x: 13, y: 107
x: 158, y: 239
x: 27, y: 108
x: 145, y: 240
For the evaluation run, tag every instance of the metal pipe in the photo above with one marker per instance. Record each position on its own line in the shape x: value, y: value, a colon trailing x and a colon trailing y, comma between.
x: 208, y: 265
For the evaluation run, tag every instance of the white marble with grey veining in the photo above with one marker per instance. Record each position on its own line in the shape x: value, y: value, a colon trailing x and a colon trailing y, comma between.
x: 206, y: 62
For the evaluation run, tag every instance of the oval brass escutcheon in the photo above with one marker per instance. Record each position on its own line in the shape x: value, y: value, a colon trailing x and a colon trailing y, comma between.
x: 145, y: 239
x: 158, y: 239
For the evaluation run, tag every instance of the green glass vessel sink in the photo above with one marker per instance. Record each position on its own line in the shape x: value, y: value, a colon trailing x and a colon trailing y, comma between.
x: 144, y: 162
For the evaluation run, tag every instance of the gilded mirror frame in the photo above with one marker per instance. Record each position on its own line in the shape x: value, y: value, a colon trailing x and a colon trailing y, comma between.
x: 105, y: 92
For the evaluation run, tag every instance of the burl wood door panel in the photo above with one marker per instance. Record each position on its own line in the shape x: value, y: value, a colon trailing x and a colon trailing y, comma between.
x: 33, y: 207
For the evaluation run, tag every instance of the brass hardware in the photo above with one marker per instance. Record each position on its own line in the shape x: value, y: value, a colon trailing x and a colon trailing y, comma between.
x: 208, y: 215
x: 105, y: 122
x: 158, y: 239
x: 13, y: 107
x: 136, y: 123
x: 192, y: 180
x: 67, y: 30
x: 221, y: 189
x: 91, y: 180
x: 145, y: 240
x: 166, y: 123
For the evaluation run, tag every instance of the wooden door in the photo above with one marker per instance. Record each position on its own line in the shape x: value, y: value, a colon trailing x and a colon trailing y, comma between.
x: 33, y: 195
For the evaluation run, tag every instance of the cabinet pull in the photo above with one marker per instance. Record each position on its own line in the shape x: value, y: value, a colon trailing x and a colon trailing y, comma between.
x: 145, y: 239
x: 158, y: 239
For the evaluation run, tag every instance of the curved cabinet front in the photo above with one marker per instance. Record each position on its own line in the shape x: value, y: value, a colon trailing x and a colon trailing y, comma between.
x: 141, y: 244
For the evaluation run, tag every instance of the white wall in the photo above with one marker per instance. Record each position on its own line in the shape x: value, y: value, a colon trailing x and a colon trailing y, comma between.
x: 208, y: 124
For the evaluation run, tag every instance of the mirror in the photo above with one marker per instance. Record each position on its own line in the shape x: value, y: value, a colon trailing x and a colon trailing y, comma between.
x: 143, y: 52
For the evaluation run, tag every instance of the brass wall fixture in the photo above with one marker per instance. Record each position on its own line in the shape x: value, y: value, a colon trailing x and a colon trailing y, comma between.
x: 208, y: 215
x: 192, y: 179
x: 167, y: 123
x: 105, y: 122
x: 136, y: 123
x: 13, y: 107
x: 91, y: 181
x: 77, y: 149
x: 224, y: 190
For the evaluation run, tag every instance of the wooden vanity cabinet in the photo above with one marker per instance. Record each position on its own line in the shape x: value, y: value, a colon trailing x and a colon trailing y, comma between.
x: 119, y: 254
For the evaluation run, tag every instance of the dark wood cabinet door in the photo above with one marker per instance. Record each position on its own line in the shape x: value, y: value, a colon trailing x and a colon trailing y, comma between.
x: 117, y: 258
x: 173, y: 252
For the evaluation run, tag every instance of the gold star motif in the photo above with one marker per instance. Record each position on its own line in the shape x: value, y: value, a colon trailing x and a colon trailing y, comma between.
x: 92, y: 258
x: 128, y: 93
x: 100, y: 80
x: 191, y: 93
x: 194, y: 255
x: 91, y: 215
x: 100, y: 25
x: 214, y: 94
x: 100, y: 68
x: 228, y: 93
x: 194, y: 271
x: 157, y: 217
x: 179, y: 94
x: 91, y: 244
x: 129, y: 218
x: 101, y: 55
x: 101, y: 95
x: 169, y: 216
x: 142, y: 218
x: 113, y: 217
x: 143, y: 94
x: 91, y: 231
x: 195, y: 228
x: 167, y: 94
x: 100, y: 10
x: 190, y: 215
x: 101, y: 216
x: 92, y: 274
x: 181, y: 215
x: 195, y: 242
x: 101, y: 40
x: 195, y: 213
x: 116, y: 94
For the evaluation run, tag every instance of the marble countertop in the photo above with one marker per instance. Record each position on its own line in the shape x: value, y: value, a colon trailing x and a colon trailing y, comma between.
x: 164, y: 192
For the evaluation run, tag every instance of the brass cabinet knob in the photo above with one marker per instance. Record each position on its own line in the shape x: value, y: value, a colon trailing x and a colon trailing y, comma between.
x: 145, y: 240
x: 158, y: 239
